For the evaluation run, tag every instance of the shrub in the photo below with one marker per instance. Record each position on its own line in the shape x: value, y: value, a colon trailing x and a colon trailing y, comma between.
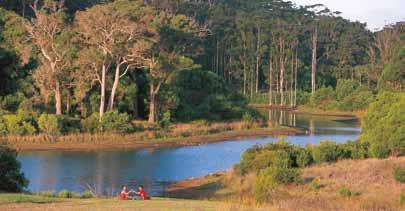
x: 383, y: 127
x: 399, y: 174
x: 50, y: 124
x: 345, y: 192
x: 3, y: 127
x: 358, y: 100
x: 49, y: 193
x: 65, y: 194
x: 165, y: 122
x: 323, y: 97
x: 345, y: 87
x: 304, y: 158
x: 86, y: 195
x: 269, y: 178
x: 116, y: 122
x: 354, y: 150
x: 91, y: 124
x: 326, y: 151
x: 11, y: 177
x: 24, y: 122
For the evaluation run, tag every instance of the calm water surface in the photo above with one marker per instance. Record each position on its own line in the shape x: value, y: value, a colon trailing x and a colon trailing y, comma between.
x: 104, y: 171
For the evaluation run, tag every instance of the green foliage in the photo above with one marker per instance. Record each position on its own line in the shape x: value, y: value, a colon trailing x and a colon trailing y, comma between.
x: 91, y: 124
x: 325, y: 152
x: 304, y: 158
x: 111, y: 122
x: 269, y: 178
x: 48, y: 193
x: 399, y: 174
x: 345, y: 87
x: 3, y: 126
x: 357, y: 100
x: 66, y: 194
x: 116, y: 122
x: 50, y: 124
x: 204, y: 95
x: 165, y: 122
x: 393, y: 76
x: 383, y: 127
x: 323, y: 98
x: 11, y: 177
x: 86, y: 195
x: 345, y: 192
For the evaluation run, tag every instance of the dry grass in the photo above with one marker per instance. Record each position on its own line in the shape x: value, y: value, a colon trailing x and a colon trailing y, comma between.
x: 373, y: 178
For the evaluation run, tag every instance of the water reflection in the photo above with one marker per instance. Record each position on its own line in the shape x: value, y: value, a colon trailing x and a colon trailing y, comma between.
x: 104, y: 171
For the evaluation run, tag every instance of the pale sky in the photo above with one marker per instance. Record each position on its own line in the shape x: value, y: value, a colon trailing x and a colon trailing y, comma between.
x: 376, y: 13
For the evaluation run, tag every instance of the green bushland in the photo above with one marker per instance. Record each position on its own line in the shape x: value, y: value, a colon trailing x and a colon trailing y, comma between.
x: 399, y: 174
x: 383, y: 126
x: 198, y: 94
x: 347, y: 96
x: 11, y: 177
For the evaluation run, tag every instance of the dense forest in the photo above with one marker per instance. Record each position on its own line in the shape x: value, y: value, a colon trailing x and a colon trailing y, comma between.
x: 85, y: 60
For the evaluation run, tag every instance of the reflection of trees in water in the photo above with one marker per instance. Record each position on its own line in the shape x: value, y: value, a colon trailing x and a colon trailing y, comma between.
x: 281, y: 117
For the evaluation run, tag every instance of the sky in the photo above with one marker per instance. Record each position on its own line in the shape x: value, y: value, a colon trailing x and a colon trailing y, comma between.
x: 376, y: 13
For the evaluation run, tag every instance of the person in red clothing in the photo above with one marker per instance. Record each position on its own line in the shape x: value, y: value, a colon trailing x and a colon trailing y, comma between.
x: 142, y: 194
x: 124, y: 194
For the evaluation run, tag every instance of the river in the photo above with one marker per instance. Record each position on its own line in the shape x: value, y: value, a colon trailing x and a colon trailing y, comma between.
x: 104, y: 171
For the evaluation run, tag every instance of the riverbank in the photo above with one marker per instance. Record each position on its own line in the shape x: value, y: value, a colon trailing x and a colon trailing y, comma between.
x: 179, y: 135
x: 321, y: 188
x: 305, y: 110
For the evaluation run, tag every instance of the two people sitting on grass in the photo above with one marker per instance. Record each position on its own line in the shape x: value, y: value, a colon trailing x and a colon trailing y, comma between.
x: 133, y: 195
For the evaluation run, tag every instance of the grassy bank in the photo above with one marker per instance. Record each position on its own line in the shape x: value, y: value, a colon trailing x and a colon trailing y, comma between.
x: 175, y: 135
x: 11, y: 202
x: 370, y: 182
x: 302, y: 109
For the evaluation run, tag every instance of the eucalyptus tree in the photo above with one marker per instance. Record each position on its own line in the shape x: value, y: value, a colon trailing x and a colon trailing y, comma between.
x: 115, y: 33
x: 50, y: 33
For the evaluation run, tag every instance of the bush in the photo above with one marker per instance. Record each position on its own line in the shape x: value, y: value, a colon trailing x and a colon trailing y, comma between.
x: 345, y: 192
x: 323, y: 97
x: 3, y: 127
x: 11, y: 177
x: 358, y: 100
x: 49, y: 193
x: 399, y: 174
x: 269, y: 178
x: 304, y: 158
x: 24, y: 122
x: 66, y: 194
x: 116, y: 122
x: 326, y: 151
x: 87, y: 195
x: 383, y: 127
x: 345, y: 87
x: 50, y: 124
x: 91, y: 124
x: 354, y: 150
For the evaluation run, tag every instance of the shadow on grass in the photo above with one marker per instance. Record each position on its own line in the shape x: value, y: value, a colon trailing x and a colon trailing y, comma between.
x: 203, y: 191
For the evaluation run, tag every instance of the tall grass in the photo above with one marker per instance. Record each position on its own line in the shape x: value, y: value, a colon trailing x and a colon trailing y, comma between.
x: 200, y: 128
